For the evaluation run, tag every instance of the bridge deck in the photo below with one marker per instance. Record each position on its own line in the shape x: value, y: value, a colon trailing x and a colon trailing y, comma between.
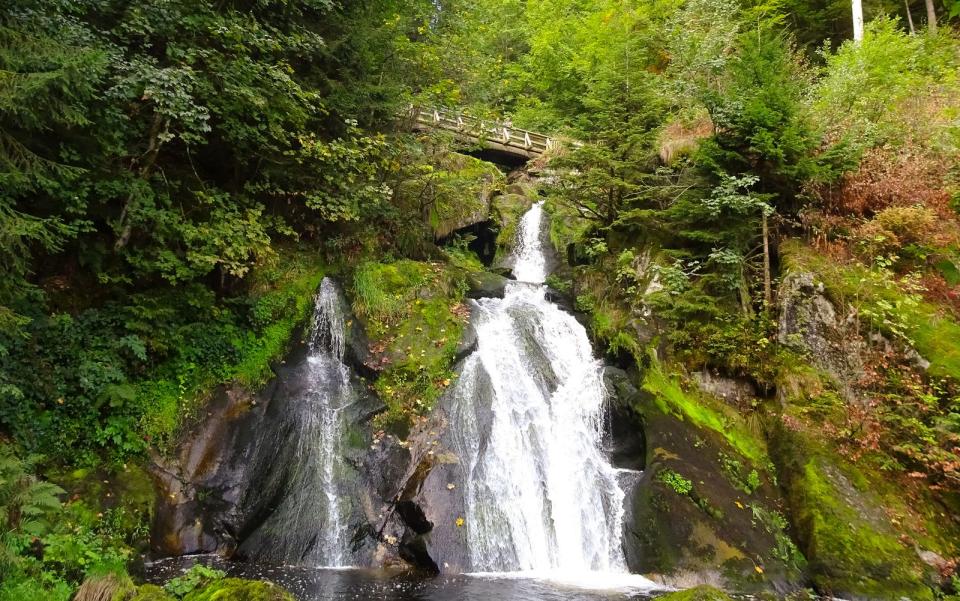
x: 492, y: 134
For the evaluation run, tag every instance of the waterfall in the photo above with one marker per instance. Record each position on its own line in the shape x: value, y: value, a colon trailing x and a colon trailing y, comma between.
x: 309, y: 526
x: 528, y: 410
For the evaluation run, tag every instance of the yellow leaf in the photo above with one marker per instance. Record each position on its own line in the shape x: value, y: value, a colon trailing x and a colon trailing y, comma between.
x: 758, y: 569
x: 460, y: 522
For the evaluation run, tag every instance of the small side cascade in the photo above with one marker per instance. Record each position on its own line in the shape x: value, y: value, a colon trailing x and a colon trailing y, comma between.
x: 309, y: 526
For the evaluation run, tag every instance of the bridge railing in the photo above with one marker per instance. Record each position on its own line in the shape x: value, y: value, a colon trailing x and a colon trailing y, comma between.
x: 489, y: 131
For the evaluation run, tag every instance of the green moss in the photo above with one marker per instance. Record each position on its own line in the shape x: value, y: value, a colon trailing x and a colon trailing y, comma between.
x: 843, y: 528
x: 700, y: 593
x: 150, y: 592
x: 508, y: 210
x: 459, y: 188
x: 235, y: 589
x: 847, y: 553
x: 414, y: 318
x: 282, y: 298
x: 671, y: 399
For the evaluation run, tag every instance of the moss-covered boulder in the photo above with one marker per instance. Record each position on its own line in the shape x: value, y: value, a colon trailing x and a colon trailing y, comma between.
x: 844, y: 527
x: 151, y: 592
x: 707, y: 510
x: 235, y: 589
x: 455, y: 191
x: 699, y: 593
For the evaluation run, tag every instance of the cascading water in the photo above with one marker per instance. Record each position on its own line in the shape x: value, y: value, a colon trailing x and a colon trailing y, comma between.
x: 528, y: 407
x: 309, y: 526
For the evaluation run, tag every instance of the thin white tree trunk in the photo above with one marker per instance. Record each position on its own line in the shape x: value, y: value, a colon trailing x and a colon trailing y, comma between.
x: 858, y: 20
x: 767, y: 283
x: 906, y: 5
x: 931, y: 16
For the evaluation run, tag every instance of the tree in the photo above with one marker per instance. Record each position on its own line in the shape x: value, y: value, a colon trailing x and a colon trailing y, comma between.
x: 858, y: 19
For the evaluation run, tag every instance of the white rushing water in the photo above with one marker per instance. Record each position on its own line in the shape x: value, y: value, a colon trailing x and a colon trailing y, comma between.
x: 309, y: 526
x: 541, y: 496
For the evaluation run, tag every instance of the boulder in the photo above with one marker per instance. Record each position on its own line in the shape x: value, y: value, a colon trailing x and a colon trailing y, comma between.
x: 738, y: 392
x: 705, y: 509
x: 484, y: 284
x: 844, y: 528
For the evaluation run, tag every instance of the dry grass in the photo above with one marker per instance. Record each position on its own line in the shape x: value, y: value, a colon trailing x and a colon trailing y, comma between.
x: 887, y: 178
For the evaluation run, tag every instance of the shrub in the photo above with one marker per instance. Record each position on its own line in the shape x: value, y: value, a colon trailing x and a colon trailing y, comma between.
x: 197, y: 577
x: 895, y: 228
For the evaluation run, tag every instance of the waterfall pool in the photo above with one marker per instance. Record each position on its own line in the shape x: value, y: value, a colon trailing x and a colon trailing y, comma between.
x: 343, y: 584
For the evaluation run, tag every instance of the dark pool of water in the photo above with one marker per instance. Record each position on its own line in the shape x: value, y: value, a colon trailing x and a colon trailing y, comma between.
x: 362, y: 585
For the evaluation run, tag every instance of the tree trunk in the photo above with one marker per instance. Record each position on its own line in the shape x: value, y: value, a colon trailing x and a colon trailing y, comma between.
x: 858, y: 20
x: 158, y: 126
x: 931, y: 16
x: 767, y: 283
x: 906, y: 5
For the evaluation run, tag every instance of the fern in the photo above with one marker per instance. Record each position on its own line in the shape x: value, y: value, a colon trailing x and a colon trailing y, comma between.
x: 26, y: 504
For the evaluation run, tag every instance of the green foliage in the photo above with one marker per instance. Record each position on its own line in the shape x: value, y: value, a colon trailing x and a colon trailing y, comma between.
x: 776, y: 524
x: 19, y: 588
x: 197, y: 577
x: 734, y: 470
x: 677, y: 483
x: 889, y: 89
x: 150, y: 592
x: 121, y: 376
x: 385, y: 291
x: 762, y: 128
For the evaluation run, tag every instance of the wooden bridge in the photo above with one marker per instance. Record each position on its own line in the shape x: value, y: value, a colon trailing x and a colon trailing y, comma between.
x: 492, y: 135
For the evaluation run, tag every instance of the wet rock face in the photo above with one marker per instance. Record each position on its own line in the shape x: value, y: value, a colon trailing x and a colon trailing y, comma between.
x: 689, y: 519
x: 809, y: 322
x: 233, y: 471
x: 625, y: 441
x: 421, y: 523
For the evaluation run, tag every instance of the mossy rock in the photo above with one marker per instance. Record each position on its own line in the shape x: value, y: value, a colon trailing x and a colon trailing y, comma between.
x: 106, y: 587
x: 151, y: 592
x: 236, y: 589
x: 414, y: 319
x: 707, y: 508
x: 484, y: 284
x: 508, y: 210
x: 462, y: 187
x: 700, y: 593
x: 843, y: 527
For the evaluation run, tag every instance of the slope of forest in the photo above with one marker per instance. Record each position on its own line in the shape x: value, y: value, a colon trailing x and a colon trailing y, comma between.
x: 762, y: 229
